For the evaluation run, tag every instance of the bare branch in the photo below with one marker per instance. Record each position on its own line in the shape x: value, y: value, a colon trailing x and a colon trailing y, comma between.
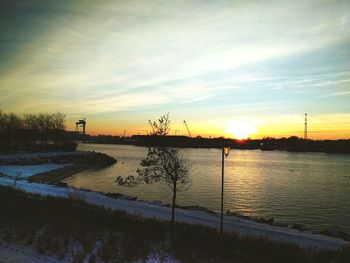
x: 164, y: 165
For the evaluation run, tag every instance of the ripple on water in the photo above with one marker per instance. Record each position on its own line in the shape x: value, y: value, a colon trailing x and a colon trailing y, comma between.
x: 308, y: 188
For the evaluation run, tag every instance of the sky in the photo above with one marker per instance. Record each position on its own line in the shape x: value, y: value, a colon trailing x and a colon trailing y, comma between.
x: 229, y: 68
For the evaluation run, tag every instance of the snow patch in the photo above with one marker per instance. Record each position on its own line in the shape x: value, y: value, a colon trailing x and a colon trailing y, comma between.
x: 16, y: 252
x: 235, y: 224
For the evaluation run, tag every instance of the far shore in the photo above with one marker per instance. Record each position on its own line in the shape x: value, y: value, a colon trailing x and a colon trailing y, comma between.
x: 291, y: 144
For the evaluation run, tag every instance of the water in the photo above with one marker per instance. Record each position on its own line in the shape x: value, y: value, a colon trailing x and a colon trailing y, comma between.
x: 312, y: 189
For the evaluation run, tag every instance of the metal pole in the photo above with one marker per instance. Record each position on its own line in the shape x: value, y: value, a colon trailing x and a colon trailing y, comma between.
x: 222, y: 194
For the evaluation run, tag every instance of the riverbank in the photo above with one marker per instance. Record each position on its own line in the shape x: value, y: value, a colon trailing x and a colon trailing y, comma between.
x: 243, y: 227
x: 193, y: 215
x: 69, y: 229
x: 51, y: 167
x: 293, y: 188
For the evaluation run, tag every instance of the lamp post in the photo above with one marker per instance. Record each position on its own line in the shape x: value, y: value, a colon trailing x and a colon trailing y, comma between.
x: 225, y: 152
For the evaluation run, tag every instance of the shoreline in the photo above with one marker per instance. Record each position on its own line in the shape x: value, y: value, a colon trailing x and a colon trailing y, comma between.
x: 240, y: 226
x: 332, y: 231
x: 291, y: 144
x: 55, y: 176
x: 69, y: 229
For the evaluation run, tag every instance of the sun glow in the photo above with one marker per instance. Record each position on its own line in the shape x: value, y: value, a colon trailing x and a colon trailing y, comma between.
x: 240, y: 129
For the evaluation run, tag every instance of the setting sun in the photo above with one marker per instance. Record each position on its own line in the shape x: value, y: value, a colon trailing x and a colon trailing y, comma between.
x: 240, y: 129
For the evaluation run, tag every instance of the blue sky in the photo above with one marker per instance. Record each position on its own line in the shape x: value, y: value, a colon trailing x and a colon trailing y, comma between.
x: 217, y: 64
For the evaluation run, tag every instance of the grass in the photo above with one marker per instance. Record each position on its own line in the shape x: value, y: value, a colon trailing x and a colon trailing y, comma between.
x: 53, y: 225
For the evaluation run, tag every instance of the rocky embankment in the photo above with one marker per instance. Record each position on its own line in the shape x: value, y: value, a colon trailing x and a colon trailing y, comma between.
x: 77, y: 161
x: 94, y: 158
x: 333, y: 231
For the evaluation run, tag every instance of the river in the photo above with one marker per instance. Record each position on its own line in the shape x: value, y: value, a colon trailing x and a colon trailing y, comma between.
x: 312, y: 189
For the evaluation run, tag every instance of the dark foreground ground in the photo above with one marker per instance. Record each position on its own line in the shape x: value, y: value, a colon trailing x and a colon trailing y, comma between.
x: 71, y: 229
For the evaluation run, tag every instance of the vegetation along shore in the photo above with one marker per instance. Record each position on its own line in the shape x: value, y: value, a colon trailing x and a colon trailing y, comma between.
x: 72, y: 231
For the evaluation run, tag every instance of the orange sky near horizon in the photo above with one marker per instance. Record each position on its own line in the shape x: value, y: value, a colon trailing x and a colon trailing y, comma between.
x: 327, y: 127
x: 229, y: 68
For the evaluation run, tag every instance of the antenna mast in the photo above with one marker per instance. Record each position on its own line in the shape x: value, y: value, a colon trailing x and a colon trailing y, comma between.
x: 305, y: 127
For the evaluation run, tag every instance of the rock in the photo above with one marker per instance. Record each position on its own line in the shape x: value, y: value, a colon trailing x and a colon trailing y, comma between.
x: 198, y: 208
x: 85, y: 189
x: 336, y: 231
x: 114, y: 195
x: 61, y: 184
x: 269, y: 221
x: 280, y: 224
x: 300, y: 227
x: 121, y: 196
x: 229, y: 213
x: 260, y: 220
x: 129, y: 198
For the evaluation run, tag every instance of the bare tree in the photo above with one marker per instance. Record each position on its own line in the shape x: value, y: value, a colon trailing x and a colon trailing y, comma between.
x: 162, y: 164
x: 31, y: 121
x: 10, y: 125
x: 22, y: 131
x: 162, y: 127
x: 58, y: 119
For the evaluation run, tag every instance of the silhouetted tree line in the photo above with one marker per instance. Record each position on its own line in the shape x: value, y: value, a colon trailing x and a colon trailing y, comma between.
x: 197, y: 142
x: 292, y: 143
x: 295, y: 144
x: 33, y: 132
x: 105, y: 139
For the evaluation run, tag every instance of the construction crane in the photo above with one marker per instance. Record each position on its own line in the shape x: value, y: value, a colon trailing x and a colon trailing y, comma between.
x: 80, y: 123
x: 189, y: 133
x: 151, y: 124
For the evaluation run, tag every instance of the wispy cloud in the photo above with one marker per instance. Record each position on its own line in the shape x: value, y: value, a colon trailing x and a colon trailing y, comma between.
x: 121, y: 56
x: 341, y: 93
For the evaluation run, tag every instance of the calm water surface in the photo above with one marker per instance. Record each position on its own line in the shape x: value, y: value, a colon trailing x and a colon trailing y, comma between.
x: 308, y: 188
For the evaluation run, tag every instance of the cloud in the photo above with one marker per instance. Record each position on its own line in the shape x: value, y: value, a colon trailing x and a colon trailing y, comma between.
x: 341, y: 93
x: 130, y: 56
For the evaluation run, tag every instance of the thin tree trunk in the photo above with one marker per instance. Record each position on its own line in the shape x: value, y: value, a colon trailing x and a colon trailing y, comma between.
x: 173, y: 208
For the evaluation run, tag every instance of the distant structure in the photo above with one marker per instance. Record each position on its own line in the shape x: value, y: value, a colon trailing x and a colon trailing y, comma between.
x: 188, y: 130
x: 305, y: 127
x: 80, y: 123
x: 151, y: 124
